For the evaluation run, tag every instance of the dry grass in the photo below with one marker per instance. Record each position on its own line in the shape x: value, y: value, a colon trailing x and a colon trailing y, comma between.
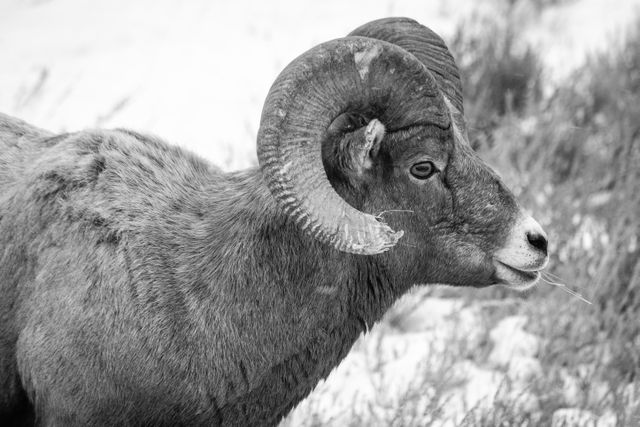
x: 574, y: 158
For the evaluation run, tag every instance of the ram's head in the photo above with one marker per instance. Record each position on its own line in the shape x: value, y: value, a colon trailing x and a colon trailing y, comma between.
x: 364, y: 143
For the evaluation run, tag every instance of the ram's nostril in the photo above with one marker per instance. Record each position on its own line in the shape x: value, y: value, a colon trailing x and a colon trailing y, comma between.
x: 538, y: 241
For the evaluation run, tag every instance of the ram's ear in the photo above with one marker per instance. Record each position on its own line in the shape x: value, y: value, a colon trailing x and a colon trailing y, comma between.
x: 359, y: 149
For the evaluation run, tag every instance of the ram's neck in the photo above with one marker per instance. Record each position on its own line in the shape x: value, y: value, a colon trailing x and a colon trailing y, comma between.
x: 288, y: 307
x: 258, y: 249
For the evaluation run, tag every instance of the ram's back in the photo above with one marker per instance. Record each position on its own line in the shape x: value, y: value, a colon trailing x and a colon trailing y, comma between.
x: 106, y: 182
x: 20, y: 144
x: 95, y: 191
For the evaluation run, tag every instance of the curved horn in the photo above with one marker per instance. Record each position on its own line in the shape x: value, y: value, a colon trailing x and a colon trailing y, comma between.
x: 425, y: 45
x: 353, y: 73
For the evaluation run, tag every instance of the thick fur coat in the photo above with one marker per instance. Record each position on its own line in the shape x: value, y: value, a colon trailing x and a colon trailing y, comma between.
x: 107, y: 294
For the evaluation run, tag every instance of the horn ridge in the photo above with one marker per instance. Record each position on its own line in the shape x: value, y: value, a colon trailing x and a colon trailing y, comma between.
x: 425, y: 45
x: 353, y: 72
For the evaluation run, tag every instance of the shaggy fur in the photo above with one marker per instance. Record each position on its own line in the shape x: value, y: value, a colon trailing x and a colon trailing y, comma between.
x: 107, y: 294
x: 142, y: 286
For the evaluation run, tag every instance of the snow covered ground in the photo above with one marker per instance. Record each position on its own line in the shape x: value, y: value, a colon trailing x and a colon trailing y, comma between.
x: 197, y: 72
x: 424, y: 369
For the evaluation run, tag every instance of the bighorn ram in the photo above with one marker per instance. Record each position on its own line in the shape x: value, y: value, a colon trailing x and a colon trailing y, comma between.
x: 142, y: 286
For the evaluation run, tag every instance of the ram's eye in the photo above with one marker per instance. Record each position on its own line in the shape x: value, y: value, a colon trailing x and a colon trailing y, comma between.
x: 423, y: 170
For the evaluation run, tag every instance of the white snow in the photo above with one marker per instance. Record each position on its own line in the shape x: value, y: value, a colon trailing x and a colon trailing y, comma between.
x: 573, y: 417
x: 511, y: 340
x: 421, y: 362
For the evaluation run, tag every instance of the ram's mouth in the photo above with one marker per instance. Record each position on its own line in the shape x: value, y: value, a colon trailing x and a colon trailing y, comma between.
x: 515, y: 278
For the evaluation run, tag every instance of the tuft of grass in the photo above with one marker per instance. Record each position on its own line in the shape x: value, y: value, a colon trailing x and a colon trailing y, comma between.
x: 573, y: 159
x: 500, y: 73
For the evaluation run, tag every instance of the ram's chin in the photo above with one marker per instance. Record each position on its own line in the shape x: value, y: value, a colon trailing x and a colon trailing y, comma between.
x: 514, y: 278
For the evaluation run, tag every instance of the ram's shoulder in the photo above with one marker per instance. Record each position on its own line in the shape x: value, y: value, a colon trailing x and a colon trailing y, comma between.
x: 114, y: 160
x: 150, y: 152
x: 113, y: 179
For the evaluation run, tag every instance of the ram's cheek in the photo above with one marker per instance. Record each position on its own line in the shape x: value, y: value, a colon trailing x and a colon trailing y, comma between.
x: 439, y: 203
x: 459, y: 263
x: 468, y: 257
